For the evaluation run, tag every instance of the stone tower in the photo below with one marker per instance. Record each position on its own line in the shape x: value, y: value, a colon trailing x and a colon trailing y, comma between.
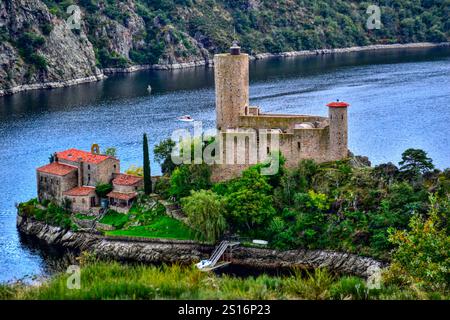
x: 232, y: 87
x: 338, y: 144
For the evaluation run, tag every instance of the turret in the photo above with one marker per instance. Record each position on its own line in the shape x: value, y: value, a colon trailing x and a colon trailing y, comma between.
x: 338, y: 144
x: 232, y: 92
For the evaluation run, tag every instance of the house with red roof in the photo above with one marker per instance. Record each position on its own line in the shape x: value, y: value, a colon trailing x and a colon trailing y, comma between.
x: 125, y: 188
x: 73, y: 174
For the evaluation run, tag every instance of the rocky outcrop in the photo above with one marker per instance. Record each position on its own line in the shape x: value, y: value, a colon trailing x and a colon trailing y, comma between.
x: 187, y: 252
x: 59, y: 57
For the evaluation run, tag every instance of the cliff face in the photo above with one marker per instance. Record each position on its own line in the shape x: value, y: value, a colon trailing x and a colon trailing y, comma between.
x: 38, y: 49
x: 188, y: 252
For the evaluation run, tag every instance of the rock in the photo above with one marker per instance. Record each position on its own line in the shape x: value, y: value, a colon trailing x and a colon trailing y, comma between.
x: 189, y: 252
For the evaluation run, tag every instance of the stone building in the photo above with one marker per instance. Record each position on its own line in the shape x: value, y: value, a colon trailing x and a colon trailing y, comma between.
x: 74, y: 173
x: 125, y: 188
x: 248, y: 135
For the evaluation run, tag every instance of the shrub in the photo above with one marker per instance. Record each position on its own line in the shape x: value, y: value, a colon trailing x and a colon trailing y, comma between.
x: 102, y: 189
x: 422, y: 254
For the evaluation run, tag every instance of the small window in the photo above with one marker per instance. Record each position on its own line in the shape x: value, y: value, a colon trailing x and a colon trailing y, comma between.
x: 299, y: 146
x: 135, y: 188
x: 74, y: 200
x: 342, y: 117
x: 115, y: 166
x: 268, y: 150
x: 89, y: 177
x: 42, y: 178
x: 57, y: 182
x: 83, y: 200
x: 45, y: 179
x: 89, y: 167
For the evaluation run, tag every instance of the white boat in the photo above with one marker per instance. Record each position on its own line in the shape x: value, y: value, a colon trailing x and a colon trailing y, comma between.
x: 149, y: 88
x: 186, y: 118
x: 203, y: 264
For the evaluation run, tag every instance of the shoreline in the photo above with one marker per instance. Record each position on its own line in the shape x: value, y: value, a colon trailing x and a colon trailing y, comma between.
x: 209, y: 63
x: 188, y: 252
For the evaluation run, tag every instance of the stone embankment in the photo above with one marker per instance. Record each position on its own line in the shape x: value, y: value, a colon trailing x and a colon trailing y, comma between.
x: 188, y: 252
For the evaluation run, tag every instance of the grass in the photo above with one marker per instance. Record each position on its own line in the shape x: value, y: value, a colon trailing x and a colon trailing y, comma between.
x: 84, y: 217
x: 115, y: 219
x: 160, y: 227
x: 111, y: 280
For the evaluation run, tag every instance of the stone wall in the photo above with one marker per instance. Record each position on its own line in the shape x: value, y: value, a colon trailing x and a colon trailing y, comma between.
x: 188, y: 252
x: 52, y: 186
x: 82, y: 204
x: 232, y: 88
x: 277, y: 121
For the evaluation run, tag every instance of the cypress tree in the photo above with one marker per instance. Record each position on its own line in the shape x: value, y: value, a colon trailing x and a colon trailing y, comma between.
x: 147, y: 172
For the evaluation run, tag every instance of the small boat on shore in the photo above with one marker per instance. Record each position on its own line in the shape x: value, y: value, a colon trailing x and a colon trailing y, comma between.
x: 186, y: 118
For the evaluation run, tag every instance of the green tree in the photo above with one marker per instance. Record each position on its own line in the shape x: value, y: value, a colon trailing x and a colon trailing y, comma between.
x: 102, y: 189
x: 147, y: 170
x: 111, y: 151
x: 249, y: 202
x: 189, y: 177
x: 414, y: 163
x: 205, y: 211
x: 134, y: 170
x: 422, y: 255
x: 162, y: 153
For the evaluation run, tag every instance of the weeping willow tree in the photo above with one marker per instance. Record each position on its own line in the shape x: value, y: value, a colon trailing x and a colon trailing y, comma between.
x: 205, y: 211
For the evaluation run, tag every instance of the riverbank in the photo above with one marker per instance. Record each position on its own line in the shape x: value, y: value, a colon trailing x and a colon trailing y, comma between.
x: 209, y: 62
x: 188, y: 252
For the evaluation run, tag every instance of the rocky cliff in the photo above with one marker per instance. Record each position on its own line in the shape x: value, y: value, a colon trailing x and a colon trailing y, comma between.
x: 188, y: 252
x: 48, y: 43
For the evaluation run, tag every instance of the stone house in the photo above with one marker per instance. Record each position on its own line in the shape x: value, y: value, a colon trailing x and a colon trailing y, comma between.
x: 125, y: 188
x: 74, y: 173
x: 241, y: 127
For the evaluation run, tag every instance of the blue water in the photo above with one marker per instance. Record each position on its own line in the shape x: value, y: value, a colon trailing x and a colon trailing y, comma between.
x: 399, y: 99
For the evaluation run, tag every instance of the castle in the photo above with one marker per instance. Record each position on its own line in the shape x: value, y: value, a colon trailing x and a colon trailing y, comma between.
x: 240, y: 125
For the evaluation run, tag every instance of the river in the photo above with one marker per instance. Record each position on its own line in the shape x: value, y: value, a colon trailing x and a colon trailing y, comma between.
x: 399, y: 99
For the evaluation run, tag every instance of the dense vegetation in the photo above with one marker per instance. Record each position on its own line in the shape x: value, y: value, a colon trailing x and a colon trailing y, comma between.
x: 100, y: 280
x: 181, y: 28
x: 392, y: 213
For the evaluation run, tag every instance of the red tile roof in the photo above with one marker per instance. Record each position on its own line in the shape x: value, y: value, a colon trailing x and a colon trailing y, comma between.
x: 127, y: 180
x: 75, y: 155
x: 338, y: 104
x: 79, y: 191
x: 56, y: 169
x: 121, y: 196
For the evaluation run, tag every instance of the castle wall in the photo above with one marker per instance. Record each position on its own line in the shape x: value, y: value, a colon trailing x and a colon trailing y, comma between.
x: 283, y: 122
x: 302, y: 144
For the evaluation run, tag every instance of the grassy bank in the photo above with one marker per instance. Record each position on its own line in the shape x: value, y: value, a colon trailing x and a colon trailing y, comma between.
x: 102, y: 280
x: 159, y: 227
